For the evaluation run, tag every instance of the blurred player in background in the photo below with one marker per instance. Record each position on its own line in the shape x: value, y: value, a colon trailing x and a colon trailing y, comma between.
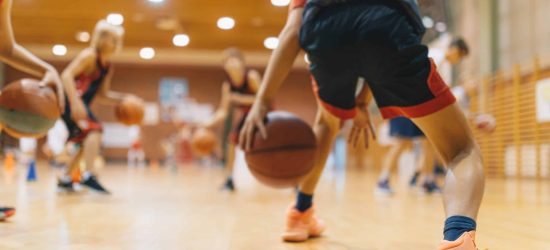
x: 87, y: 78
x: 238, y: 94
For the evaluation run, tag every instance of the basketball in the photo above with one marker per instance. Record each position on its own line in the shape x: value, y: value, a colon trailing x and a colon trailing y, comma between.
x: 28, y: 109
x: 203, y: 142
x: 287, y: 155
x: 130, y: 110
x: 485, y: 123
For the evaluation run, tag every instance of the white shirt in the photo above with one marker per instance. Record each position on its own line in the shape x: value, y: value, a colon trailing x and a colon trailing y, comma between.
x: 437, y: 51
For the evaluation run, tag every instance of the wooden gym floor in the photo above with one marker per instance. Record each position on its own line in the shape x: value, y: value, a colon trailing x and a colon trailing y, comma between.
x: 166, y: 209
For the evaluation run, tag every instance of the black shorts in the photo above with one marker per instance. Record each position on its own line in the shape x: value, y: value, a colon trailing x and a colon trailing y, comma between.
x: 377, y: 42
x: 76, y: 134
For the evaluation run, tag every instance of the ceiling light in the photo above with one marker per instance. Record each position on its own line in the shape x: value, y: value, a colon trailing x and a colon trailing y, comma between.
x: 156, y: 1
x: 59, y: 50
x: 226, y: 23
x: 147, y: 53
x: 83, y: 36
x: 180, y: 40
x: 441, y: 27
x: 428, y: 22
x: 115, y: 19
x: 271, y: 42
x: 280, y: 3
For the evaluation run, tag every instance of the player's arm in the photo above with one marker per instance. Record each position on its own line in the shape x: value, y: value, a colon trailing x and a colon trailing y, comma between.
x: 106, y: 95
x: 78, y: 65
x: 20, y: 58
x: 279, y: 66
x: 254, y: 81
x: 223, y: 108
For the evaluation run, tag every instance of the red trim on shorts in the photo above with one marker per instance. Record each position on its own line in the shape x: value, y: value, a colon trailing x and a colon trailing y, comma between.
x: 427, y: 108
x: 343, y: 114
x: 443, y: 98
x: 296, y: 4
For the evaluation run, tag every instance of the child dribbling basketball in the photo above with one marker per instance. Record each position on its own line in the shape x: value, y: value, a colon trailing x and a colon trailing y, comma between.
x: 21, y: 59
x: 380, y: 42
x: 87, y: 78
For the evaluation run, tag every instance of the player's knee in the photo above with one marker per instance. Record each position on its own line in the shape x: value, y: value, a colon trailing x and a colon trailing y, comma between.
x: 470, y: 155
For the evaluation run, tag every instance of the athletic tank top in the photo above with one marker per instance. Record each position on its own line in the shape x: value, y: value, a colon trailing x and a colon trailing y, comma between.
x: 88, y: 85
x: 243, y: 89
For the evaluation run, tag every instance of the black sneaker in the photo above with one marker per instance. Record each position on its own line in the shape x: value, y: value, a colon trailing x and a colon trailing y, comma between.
x: 414, y: 179
x: 440, y: 170
x: 229, y: 185
x: 430, y: 188
x: 65, y: 186
x: 6, y: 212
x: 94, y: 185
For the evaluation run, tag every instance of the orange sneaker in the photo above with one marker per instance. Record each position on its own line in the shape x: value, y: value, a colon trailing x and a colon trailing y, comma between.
x: 6, y: 212
x: 301, y: 226
x: 466, y: 242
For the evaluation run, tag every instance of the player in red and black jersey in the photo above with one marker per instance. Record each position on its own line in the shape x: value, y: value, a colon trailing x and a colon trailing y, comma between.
x: 379, y: 41
x: 18, y: 57
x: 86, y: 79
x: 238, y: 92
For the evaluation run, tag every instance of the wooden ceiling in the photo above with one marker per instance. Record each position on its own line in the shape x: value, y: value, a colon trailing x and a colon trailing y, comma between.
x: 48, y: 22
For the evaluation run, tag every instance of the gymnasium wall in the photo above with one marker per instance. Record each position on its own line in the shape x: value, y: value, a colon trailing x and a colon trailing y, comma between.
x: 520, y: 145
x: 205, y: 82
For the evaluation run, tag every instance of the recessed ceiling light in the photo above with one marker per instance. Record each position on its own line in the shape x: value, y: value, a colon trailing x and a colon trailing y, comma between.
x: 83, y: 36
x: 271, y: 42
x: 226, y: 23
x: 147, y: 53
x: 280, y: 3
x: 441, y: 27
x: 181, y: 40
x: 156, y: 1
x: 59, y: 50
x: 115, y: 19
x: 428, y: 22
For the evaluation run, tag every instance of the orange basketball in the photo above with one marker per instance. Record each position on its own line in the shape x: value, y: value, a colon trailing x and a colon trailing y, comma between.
x: 28, y: 109
x: 203, y: 142
x: 287, y: 155
x: 130, y: 110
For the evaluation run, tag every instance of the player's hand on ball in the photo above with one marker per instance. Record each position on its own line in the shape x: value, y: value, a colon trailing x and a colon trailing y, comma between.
x: 52, y: 79
x: 362, y: 126
x: 254, y: 120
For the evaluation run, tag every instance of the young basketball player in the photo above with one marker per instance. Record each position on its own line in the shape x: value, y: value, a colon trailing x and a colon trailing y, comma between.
x: 88, y: 78
x: 239, y: 92
x: 405, y: 132
x: 378, y: 41
x: 21, y: 59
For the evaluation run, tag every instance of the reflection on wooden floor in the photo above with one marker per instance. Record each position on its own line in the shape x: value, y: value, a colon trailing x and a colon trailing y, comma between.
x: 184, y: 209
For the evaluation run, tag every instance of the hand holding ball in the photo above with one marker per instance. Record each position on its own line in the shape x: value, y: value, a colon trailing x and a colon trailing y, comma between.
x: 287, y: 155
